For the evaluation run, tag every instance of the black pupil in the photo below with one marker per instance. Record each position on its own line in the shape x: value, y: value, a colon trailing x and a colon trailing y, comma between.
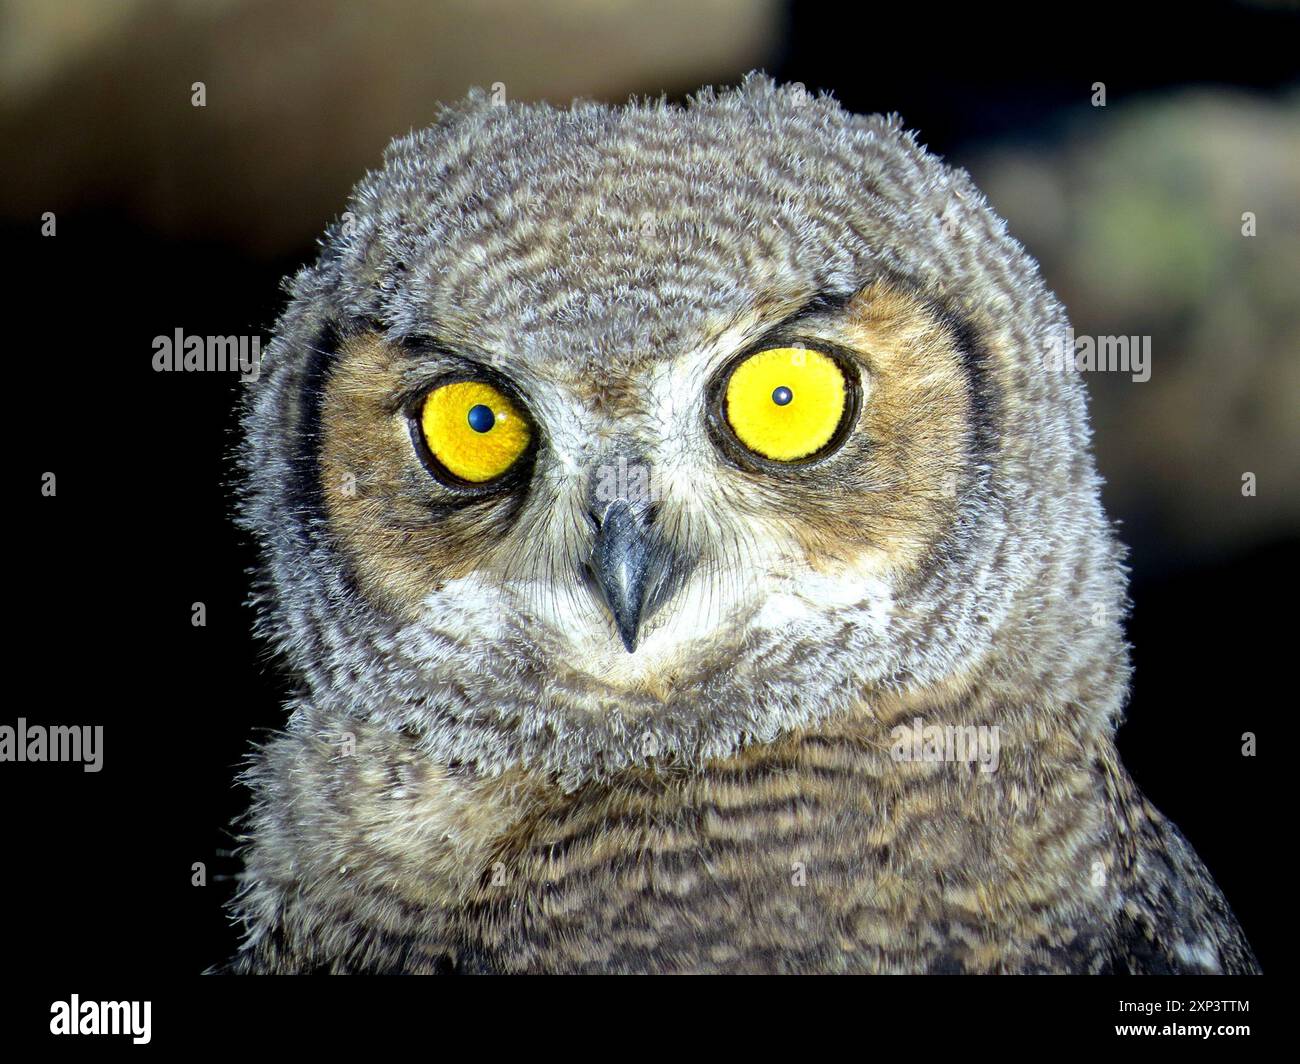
x: 481, y: 418
x: 782, y: 396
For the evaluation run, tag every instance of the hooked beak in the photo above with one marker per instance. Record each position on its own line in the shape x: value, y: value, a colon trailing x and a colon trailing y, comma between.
x: 620, y: 563
x: 632, y: 569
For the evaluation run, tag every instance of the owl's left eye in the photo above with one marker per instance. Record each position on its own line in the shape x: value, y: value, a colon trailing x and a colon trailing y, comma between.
x: 473, y: 430
x: 786, y: 404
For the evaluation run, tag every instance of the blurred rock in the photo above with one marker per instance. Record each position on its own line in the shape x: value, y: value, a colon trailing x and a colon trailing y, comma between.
x: 302, y: 95
x: 1135, y: 212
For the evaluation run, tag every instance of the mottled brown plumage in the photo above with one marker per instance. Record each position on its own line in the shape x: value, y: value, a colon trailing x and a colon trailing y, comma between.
x: 812, y: 854
x: 488, y: 768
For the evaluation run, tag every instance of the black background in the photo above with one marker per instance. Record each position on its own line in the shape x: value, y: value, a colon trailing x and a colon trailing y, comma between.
x: 99, y: 865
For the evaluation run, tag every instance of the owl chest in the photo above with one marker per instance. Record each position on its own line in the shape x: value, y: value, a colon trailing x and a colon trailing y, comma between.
x: 784, y: 874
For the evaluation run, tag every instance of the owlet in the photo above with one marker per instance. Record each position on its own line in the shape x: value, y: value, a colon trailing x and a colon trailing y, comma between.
x: 689, y: 555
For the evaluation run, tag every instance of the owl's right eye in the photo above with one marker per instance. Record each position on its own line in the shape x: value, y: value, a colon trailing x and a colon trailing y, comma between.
x: 787, y: 403
x: 473, y: 430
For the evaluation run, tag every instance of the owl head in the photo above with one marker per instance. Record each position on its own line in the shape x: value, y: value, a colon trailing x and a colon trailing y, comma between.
x: 604, y: 433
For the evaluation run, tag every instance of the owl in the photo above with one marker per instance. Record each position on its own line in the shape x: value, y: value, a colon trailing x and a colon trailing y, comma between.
x: 689, y: 557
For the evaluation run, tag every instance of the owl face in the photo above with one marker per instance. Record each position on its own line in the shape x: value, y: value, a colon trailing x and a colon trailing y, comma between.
x: 613, y: 432
x: 648, y: 524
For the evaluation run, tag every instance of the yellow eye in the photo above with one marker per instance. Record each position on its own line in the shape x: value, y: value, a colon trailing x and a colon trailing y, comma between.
x: 473, y: 430
x: 786, y: 403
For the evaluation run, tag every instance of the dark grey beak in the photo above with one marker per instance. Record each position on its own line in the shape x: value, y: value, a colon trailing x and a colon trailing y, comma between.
x: 621, y: 563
